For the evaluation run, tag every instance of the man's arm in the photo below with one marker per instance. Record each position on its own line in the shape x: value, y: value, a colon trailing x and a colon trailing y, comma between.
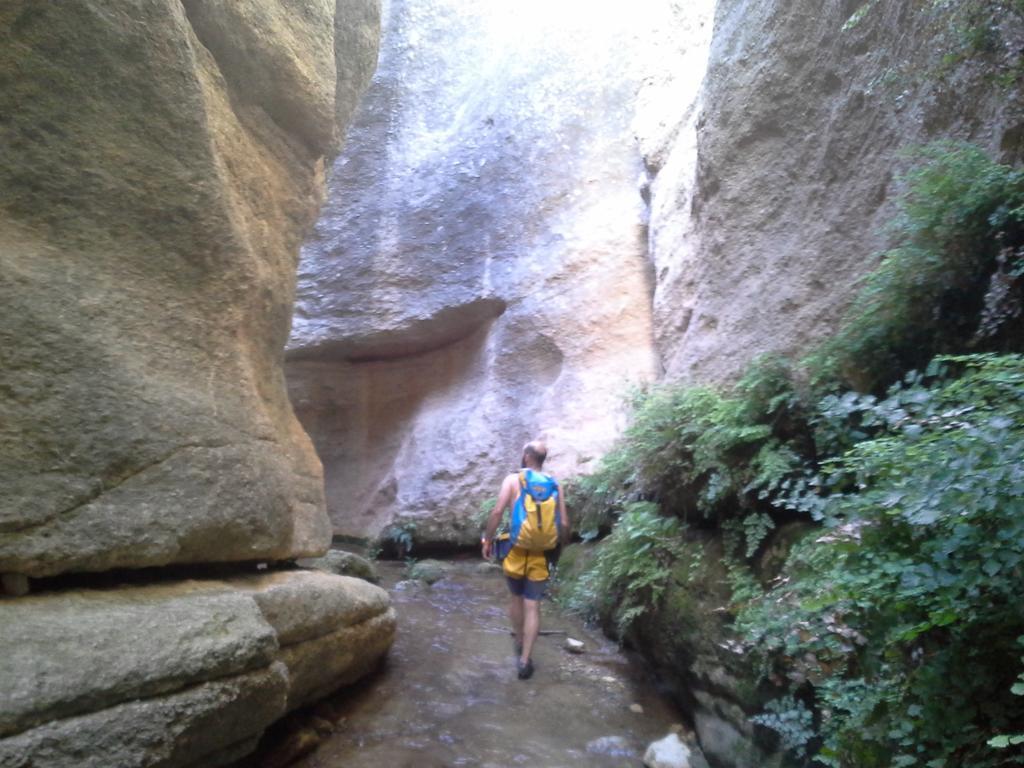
x: 566, y: 530
x: 504, y: 500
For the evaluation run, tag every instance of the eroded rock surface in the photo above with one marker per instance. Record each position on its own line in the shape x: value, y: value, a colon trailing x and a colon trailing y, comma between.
x: 179, y: 674
x: 479, y: 274
x: 803, y: 130
x: 163, y: 161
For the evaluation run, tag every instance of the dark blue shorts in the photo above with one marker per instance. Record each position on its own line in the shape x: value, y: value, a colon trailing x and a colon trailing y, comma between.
x: 527, y: 588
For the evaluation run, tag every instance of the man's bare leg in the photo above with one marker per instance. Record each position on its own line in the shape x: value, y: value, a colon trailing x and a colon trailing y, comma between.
x: 515, y: 615
x: 531, y: 626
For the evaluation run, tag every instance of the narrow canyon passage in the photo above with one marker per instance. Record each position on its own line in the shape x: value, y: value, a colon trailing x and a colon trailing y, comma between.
x: 283, y: 276
x: 448, y: 693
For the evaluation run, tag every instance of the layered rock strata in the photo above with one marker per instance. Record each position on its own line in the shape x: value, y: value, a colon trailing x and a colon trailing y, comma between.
x: 478, y: 276
x: 179, y: 674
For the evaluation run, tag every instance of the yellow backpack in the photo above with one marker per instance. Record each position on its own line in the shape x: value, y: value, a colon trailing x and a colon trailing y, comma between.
x: 535, y: 522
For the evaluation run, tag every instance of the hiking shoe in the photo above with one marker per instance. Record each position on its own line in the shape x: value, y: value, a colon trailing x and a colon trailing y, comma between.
x: 525, y: 670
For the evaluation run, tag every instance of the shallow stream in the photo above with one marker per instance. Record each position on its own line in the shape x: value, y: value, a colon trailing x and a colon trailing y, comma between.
x: 448, y: 694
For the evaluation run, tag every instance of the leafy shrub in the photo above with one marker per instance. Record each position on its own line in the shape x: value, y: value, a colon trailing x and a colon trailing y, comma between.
x: 791, y: 720
x: 902, y: 614
x: 960, y: 237
x: 632, y: 567
x: 483, y: 512
x: 893, y: 629
x: 695, y: 449
x: 1002, y: 741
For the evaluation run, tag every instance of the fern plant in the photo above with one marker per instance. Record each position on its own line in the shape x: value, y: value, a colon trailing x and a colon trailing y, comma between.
x: 632, y: 568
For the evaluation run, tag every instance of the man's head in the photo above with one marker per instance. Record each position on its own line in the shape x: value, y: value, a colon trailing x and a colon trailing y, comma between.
x: 534, y: 454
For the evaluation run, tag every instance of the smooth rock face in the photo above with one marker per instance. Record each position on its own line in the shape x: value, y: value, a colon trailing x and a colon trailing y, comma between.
x: 800, y: 139
x: 104, y: 647
x: 478, y: 276
x: 301, y: 606
x: 728, y: 744
x: 181, y: 674
x: 208, y: 726
x: 320, y: 666
x: 163, y: 161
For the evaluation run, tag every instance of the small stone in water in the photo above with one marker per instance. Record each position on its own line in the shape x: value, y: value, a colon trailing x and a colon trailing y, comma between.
x: 636, y: 708
x: 573, y: 646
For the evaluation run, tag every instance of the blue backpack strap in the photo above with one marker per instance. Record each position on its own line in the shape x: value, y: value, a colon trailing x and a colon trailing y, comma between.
x: 518, y: 511
x: 527, y: 478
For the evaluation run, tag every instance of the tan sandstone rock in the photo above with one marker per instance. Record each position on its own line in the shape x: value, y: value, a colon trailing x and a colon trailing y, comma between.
x: 162, y: 162
x: 103, y: 647
x: 180, y: 674
x: 207, y: 725
x: 320, y: 666
x: 303, y: 605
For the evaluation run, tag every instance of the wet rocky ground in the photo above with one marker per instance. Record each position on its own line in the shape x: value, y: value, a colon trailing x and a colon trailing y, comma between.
x: 448, y: 694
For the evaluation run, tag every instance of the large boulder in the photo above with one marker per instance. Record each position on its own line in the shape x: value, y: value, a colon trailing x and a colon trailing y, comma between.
x: 178, y: 674
x: 163, y: 161
x: 104, y: 647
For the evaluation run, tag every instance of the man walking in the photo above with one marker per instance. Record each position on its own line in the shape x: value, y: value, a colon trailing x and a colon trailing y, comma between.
x: 539, y: 520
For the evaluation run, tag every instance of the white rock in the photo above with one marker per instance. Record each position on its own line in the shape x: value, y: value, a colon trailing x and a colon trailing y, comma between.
x: 671, y: 752
x: 574, y: 646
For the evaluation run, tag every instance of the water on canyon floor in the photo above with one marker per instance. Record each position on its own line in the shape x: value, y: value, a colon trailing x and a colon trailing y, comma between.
x: 448, y: 694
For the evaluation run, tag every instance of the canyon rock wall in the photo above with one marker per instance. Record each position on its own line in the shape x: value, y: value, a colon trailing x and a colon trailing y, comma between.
x: 479, y: 274
x: 767, y: 207
x: 802, y: 134
x: 163, y: 161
